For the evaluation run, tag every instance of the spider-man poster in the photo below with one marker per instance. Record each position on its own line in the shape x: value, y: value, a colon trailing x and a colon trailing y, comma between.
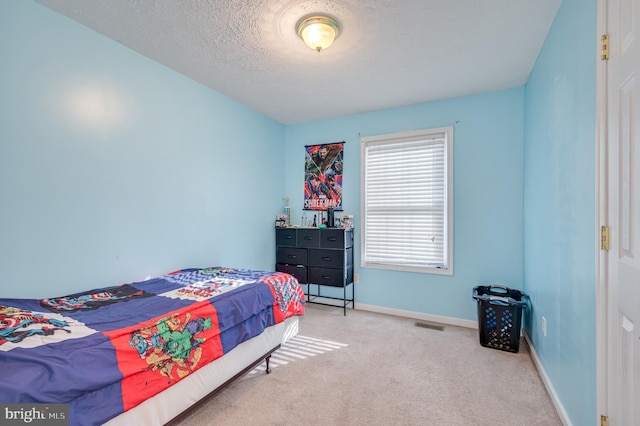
x: 323, y: 176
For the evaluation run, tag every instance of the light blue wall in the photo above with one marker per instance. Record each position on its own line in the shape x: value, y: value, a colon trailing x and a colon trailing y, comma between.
x: 488, y: 143
x: 113, y: 167
x: 559, y: 187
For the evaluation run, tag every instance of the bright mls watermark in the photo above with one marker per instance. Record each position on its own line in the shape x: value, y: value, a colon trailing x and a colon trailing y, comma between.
x: 34, y: 414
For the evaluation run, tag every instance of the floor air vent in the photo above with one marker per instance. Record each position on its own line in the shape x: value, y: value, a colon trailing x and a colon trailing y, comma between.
x: 430, y: 326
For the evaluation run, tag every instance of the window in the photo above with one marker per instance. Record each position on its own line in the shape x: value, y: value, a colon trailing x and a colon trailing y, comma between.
x: 407, y: 201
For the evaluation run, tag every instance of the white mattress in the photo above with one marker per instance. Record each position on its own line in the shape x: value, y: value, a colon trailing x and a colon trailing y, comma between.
x: 171, y: 402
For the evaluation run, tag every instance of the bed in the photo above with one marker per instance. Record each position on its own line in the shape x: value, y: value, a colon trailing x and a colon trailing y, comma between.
x: 144, y: 352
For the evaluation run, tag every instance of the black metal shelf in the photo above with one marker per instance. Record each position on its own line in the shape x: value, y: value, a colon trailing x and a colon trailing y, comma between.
x: 345, y: 301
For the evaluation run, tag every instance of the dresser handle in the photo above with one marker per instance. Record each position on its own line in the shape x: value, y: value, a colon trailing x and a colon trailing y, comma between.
x: 327, y: 258
x: 325, y: 277
x: 331, y: 238
x: 292, y: 256
x: 308, y: 238
x: 287, y: 237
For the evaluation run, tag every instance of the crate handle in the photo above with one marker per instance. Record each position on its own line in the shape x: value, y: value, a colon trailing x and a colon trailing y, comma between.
x: 505, y: 301
x: 488, y: 298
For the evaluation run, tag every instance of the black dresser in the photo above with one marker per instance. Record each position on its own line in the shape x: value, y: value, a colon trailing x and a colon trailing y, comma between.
x: 318, y: 257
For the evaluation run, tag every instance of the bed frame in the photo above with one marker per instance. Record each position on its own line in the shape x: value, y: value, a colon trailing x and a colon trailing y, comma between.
x: 180, y: 400
x: 266, y: 357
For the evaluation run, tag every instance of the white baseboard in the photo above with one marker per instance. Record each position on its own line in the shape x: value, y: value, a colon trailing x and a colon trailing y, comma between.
x: 562, y: 413
x: 418, y: 315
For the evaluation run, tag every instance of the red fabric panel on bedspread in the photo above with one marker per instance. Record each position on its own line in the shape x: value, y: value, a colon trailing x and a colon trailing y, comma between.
x: 156, y: 354
x: 106, y: 350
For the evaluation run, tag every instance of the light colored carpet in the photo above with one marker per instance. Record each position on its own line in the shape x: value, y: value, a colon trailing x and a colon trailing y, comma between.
x: 373, y: 369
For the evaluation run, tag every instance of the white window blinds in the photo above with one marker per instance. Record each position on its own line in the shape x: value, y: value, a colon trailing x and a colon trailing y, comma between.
x: 405, y: 201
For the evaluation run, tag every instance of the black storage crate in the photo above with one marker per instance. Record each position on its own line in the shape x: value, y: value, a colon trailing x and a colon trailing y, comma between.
x: 499, y: 316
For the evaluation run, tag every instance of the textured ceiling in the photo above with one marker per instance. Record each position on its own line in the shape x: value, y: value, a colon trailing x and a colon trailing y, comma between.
x: 389, y: 53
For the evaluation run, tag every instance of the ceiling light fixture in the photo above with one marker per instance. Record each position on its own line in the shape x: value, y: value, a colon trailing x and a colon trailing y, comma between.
x: 318, y: 32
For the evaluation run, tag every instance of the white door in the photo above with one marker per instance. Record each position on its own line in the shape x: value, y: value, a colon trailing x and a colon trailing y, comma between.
x: 623, y: 212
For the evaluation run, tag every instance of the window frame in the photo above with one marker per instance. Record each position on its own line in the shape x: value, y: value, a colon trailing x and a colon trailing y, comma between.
x: 408, y: 136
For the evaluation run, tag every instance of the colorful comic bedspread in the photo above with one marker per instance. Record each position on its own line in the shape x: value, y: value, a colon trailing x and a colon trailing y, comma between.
x: 106, y: 350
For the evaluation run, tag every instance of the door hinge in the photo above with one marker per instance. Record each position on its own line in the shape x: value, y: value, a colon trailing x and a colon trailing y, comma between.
x: 604, y: 421
x: 604, y: 237
x: 604, y: 47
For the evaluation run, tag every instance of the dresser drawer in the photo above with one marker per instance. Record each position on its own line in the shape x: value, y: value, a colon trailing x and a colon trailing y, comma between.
x: 337, y: 238
x: 298, y: 271
x: 326, y: 276
x: 291, y: 255
x: 308, y: 238
x: 286, y: 237
x: 326, y: 258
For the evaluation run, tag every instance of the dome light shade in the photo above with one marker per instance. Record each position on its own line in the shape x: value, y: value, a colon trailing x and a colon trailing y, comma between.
x: 318, y: 32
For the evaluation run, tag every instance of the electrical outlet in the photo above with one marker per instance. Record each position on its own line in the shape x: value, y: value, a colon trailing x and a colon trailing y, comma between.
x: 544, y: 326
x: 356, y: 278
